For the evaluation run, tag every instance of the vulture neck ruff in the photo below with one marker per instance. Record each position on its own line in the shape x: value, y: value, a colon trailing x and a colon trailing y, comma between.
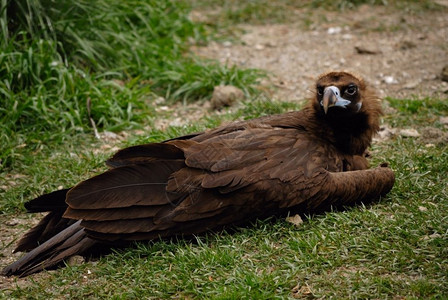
x: 350, y: 132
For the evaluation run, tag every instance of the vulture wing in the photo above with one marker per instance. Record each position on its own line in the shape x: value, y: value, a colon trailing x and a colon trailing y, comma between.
x: 225, y: 179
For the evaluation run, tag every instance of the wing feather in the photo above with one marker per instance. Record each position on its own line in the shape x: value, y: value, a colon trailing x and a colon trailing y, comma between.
x: 125, y: 186
x: 144, y: 153
x: 109, y: 214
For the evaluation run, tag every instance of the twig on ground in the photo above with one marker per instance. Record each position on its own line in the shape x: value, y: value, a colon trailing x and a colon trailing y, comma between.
x: 92, y: 122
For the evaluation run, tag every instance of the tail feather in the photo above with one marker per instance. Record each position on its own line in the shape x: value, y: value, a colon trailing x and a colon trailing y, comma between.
x: 48, y: 202
x: 51, y: 224
x: 70, y: 241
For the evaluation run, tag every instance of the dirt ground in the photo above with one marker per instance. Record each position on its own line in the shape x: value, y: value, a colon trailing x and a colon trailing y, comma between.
x: 401, y: 54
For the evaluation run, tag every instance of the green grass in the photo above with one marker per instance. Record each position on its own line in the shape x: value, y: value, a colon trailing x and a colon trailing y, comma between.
x: 120, y: 55
x: 394, y: 248
x: 418, y: 112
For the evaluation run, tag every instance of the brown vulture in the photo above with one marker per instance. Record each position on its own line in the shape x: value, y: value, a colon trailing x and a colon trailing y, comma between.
x: 310, y: 159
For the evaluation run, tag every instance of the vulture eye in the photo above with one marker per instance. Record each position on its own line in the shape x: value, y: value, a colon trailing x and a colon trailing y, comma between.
x: 351, y: 90
x: 320, y: 90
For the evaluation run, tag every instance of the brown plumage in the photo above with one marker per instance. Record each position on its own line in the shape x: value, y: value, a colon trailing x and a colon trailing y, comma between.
x: 312, y: 159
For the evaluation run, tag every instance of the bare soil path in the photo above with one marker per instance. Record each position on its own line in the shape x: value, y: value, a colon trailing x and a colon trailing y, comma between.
x: 401, y: 53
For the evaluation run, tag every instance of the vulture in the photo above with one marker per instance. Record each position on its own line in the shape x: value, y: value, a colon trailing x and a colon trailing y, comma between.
x: 307, y: 160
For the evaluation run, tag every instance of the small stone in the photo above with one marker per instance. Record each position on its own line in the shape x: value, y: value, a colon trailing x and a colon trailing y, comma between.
x: 364, y: 50
x: 432, y: 135
x: 302, y: 291
x: 409, y: 133
x: 390, y: 80
x: 385, y: 133
x: 12, y: 222
x: 225, y: 95
x: 405, y: 45
x: 422, y: 208
x: 159, y: 100
x: 435, y: 235
x: 177, y: 122
x: 334, y: 30
x: 105, y: 147
x: 412, y: 84
x: 432, y: 132
x: 76, y: 260
x: 444, y: 120
x: 296, y: 220
x: 109, y: 135
x: 441, y: 2
x: 444, y: 75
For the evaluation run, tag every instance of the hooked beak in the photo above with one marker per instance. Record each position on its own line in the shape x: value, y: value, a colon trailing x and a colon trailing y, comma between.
x: 332, y: 97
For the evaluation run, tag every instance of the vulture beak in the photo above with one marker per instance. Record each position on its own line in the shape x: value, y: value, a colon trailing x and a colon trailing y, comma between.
x: 332, y: 98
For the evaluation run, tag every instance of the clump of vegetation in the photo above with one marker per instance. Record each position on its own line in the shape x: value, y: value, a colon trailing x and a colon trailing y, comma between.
x: 55, y: 55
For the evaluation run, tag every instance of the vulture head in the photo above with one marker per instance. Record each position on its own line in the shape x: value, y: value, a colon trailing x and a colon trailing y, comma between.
x: 348, y: 110
x: 340, y: 93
